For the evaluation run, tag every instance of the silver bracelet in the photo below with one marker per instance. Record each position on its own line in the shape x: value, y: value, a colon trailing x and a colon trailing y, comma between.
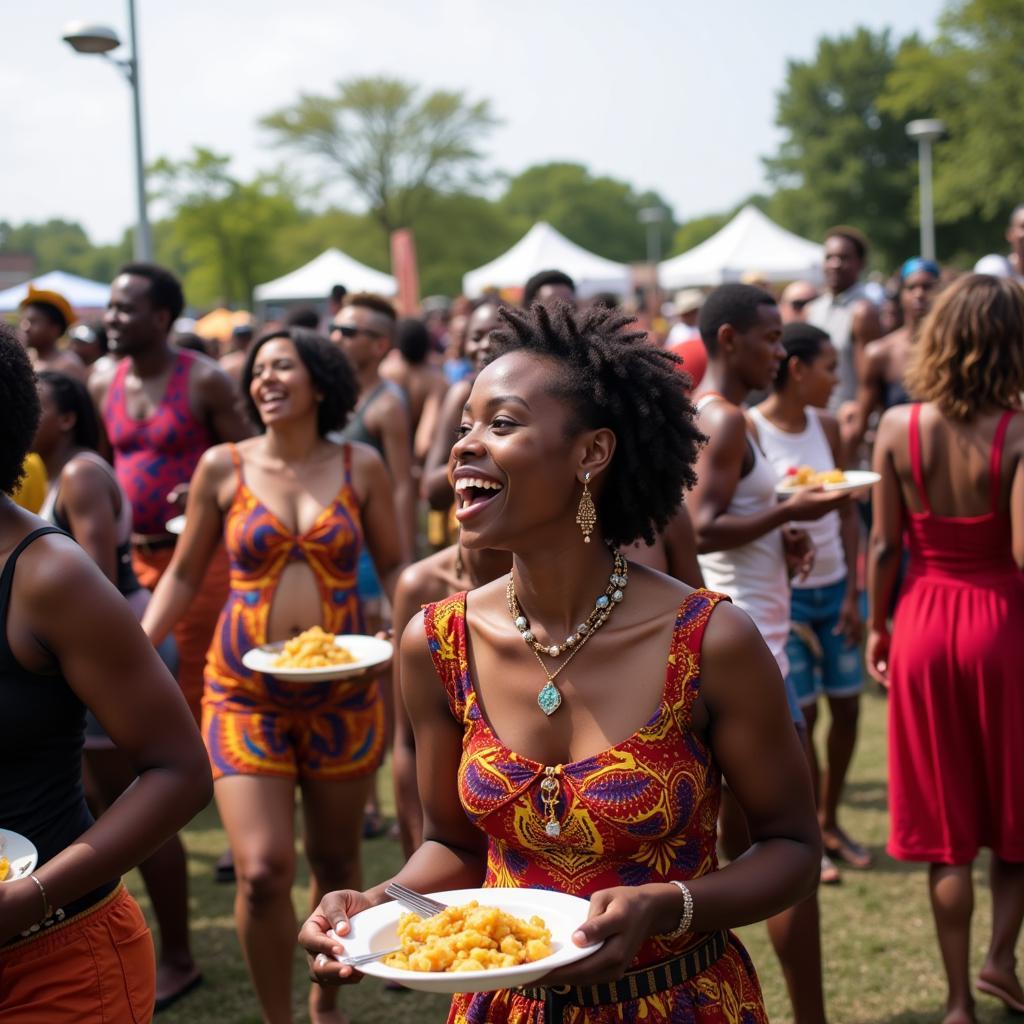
x: 47, y: 910
x: 686, y: 918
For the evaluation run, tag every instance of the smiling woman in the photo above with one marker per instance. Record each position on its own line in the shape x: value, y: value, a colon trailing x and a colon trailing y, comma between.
x: 294, y: 510
x: 610, y: 791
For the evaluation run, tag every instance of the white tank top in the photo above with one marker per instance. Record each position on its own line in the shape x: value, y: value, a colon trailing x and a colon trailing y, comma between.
x: 754, y: 575
x: 810, y: 447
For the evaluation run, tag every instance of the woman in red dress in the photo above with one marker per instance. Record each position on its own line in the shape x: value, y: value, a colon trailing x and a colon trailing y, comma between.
x: 953, y: 481
x: 602, y: 780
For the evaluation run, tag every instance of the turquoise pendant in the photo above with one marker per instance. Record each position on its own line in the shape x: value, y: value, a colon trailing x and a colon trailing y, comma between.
x: 549, y: 700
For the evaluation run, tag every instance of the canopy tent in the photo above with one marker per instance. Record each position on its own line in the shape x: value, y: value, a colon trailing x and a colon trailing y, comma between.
x: 749, y: 242
x: 314, y: 281
x: 543, y: 248
x: 82, y: 293
x: 219, y: 323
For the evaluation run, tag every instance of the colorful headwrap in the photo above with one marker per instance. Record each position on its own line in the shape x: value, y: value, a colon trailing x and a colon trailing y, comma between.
x: 916, y: 263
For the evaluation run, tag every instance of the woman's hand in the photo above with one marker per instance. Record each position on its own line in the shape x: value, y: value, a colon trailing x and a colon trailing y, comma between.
x: 877, y: 656
x: 799, y: 552
x: 321, y: 948
x: 623, y: 918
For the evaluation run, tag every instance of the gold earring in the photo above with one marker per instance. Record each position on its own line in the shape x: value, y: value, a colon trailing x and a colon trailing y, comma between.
x: 586, y: 514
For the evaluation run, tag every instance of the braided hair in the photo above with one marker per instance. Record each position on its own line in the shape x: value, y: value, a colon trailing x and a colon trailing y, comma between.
x: 614, y: 378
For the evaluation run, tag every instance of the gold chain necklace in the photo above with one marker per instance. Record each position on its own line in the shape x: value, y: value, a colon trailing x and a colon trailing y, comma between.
x: 549, y: 699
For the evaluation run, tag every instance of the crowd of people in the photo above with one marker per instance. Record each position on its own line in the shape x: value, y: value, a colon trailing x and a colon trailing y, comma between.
x: 510, y: 488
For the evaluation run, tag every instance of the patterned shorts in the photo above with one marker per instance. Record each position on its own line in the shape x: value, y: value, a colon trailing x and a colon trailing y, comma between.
x: 341, y: 738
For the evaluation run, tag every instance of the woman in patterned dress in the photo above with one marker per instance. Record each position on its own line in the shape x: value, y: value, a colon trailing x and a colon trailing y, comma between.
x: 294, y: 510
x: 612, y: 796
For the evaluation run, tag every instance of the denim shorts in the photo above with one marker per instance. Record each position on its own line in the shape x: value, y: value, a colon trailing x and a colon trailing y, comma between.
x: 833, y: 667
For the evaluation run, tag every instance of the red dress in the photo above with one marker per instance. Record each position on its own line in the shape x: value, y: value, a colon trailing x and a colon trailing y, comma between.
x: 642, y: 811
x: 956, y: 703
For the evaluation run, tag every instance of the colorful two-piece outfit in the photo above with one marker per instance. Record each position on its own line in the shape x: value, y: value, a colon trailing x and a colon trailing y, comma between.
x: 956, y: 703
x: 643, y: 811
x: 255, y: 724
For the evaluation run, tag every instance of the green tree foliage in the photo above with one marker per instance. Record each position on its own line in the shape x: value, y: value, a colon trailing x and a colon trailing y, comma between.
x: 64, y: 245
x: 599, y: 213
x: 845, y: 157
x: 393, y: 145
x: 972, y: 77
x: 223, y: 233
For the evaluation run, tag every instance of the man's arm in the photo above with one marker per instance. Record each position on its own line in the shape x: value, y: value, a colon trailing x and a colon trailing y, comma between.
x: 866, y: 326
x: 218, y: 401
x: 389, y: 420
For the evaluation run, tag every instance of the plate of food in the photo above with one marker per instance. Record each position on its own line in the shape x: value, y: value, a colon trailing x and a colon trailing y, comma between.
x: 18, y: 856
x: 799, y: 478
x: 487, y: 939
x: 315, y: 656
x: 175, y: 525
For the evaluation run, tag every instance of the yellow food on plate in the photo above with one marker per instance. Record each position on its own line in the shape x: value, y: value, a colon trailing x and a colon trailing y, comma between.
x: 313, y: 648
x: 807, y: 477
x: 5, y: 868
x: 469, y: 938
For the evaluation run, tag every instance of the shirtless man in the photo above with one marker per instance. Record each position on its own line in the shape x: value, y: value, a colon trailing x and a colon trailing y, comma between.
x: 162, y: 408
x: 45, y: 316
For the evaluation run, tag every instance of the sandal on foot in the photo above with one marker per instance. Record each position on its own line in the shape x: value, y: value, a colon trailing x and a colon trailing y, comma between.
x: 998, y: 992
x: 840, y: 846
x: 829, y: 872
x: 166, y: 1002
x: 374, y: 825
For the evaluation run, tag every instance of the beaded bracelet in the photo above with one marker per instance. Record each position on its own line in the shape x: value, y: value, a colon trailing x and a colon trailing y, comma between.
x: 686, y: 918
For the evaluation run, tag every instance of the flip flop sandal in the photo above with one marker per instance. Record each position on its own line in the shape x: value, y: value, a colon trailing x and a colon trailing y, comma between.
x: 991, y: 989
x: 167, y: 1002
x: 849, y: 852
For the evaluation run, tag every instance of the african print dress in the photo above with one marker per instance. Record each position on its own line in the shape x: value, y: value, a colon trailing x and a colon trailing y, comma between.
x: 255, y: 724
x: 643, y: 811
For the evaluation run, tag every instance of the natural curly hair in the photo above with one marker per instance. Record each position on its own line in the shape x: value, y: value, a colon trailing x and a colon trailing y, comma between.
x: 614, y: 378
x: 19, y: 409
x: 328, y: 369
x: 969, y: 352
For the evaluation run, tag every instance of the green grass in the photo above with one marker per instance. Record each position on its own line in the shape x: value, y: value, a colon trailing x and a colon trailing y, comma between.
x: 881, y: 959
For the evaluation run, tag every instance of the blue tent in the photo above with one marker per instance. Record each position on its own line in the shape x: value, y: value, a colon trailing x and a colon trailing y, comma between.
x: 79, y: 291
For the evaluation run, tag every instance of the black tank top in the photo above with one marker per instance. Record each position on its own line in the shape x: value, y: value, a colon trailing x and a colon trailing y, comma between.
x: 42, y: 722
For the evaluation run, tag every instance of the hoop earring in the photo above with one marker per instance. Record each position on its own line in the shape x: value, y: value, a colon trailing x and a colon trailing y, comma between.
x: 586, y: 514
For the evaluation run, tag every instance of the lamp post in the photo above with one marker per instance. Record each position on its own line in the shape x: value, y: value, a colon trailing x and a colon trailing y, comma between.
x: 652, y: 217
x: 85, y: 37
x: 924, y: 133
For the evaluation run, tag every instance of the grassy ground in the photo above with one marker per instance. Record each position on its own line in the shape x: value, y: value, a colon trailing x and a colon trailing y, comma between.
x: 881, y: 960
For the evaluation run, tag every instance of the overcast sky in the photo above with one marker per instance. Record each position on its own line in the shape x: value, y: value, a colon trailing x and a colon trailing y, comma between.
x: 676, y: 96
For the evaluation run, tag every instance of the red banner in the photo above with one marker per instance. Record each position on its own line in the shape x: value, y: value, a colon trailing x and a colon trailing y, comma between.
x: 405, y: 272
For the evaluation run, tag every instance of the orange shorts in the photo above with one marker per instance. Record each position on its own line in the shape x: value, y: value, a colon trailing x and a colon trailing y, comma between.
x: 194, y: 632
x: 97, y: 967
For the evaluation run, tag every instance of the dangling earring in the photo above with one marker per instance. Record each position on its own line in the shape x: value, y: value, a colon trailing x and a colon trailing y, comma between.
x: 586, y: 514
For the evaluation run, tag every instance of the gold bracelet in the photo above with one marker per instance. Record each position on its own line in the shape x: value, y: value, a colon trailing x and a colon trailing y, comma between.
x: 47, y: 909
x: 686, y: 918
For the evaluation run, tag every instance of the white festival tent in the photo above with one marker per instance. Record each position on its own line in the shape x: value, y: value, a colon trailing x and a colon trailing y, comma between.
x: 314, y: 281
x: 751, y: 241
x: 543, y: 248
x: 79, y: 291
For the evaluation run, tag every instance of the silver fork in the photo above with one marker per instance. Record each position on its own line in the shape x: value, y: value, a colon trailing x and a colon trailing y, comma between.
x: 414, y: 901
x: 366, y: 958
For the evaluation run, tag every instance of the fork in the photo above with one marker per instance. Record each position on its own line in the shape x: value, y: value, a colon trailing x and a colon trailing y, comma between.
x: 415, y: 901
x: 366, y: 958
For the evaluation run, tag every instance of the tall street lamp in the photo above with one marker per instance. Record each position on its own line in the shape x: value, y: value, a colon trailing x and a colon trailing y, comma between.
x: 85, y: 37
x: 924, y: 133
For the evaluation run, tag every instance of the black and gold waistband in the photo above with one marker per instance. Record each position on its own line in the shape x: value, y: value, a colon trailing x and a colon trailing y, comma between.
x: 644, y: 981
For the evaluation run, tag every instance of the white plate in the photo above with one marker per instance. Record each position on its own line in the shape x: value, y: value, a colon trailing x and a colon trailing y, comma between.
x: 377, y: 929
x: 856, y: 480
x: 20, y: 852
x: 175, y: 525
x: 367, y: 650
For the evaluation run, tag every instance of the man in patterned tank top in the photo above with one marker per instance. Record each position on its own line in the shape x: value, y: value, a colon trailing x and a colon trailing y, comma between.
x: 162, y: 408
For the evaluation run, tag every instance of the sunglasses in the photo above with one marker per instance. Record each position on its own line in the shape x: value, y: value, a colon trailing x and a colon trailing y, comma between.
x: 348, y: 331
x: 799, y: 304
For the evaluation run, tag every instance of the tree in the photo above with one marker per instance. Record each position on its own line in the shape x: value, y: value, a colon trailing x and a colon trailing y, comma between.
x: 599, y: 213
x: 222, y: 232
x: 64, y: 245
x: 845, y: 158
x: 393, y: 146
x: 971, y: 77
